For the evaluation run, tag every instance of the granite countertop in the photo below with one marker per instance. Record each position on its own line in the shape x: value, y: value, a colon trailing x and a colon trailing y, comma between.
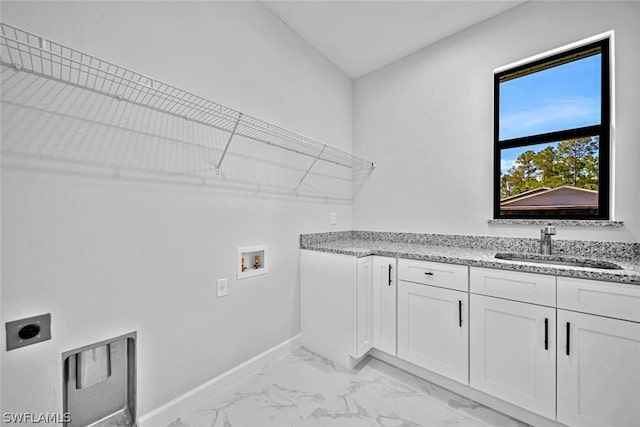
x: 484, y: 257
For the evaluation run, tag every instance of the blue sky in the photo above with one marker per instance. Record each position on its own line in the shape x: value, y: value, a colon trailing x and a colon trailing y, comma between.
x: 562, y: 97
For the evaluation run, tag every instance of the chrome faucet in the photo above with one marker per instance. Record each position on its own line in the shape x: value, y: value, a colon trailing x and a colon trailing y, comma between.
x: 545, y: 239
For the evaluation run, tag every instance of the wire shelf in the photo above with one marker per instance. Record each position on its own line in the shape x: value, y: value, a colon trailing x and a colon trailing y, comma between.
x: 36, y: 55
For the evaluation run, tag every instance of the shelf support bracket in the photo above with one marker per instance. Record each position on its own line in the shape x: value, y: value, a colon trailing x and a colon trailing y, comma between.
x: 310, y: 167
x: 233, y: 132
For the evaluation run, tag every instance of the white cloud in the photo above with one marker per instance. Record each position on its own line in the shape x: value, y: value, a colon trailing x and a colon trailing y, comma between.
x: 558, y: 115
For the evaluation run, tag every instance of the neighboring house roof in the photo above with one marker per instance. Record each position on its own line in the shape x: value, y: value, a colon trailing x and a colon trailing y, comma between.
x: 524, y: 194
x: 565, y: 197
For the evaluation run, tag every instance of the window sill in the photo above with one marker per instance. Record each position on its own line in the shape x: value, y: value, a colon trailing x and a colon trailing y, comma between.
x: 558, y: 222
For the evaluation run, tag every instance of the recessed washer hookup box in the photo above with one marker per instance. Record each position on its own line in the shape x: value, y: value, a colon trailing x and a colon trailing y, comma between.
x: 99, y: 387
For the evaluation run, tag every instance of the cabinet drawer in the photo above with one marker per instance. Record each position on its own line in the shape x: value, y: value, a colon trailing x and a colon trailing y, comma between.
x: 617, y: 300
x: 434, y: 273
x: 514, y: 285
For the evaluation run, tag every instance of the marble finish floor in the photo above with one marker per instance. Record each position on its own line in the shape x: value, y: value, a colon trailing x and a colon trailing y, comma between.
x: 303, y: 389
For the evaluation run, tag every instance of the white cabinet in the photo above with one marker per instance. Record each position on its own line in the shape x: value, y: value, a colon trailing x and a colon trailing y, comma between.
x: 598, y: 371
x: 598, y: 357
x: 513, y: 330
x: 500, y: 338
x: 589, y: 378
x: 513, y: 352
x: 347, y: 305
x: 433, y: 329
x: 384, y: 304
x: 328, y: 305
x: 364, y: 306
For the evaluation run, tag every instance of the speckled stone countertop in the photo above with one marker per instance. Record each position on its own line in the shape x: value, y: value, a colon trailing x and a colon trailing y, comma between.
x: 480, y: 251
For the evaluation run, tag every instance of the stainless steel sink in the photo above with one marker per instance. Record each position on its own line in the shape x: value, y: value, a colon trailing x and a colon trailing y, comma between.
x: 559, y: 260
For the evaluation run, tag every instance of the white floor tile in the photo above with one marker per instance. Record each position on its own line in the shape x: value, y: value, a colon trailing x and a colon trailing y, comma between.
x: 305, y: 390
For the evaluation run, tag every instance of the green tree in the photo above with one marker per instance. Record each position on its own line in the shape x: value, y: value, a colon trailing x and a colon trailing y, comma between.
x: 550, y: 169
x: 576, y: 154
x: 521, y: 177
x: 571, y: 162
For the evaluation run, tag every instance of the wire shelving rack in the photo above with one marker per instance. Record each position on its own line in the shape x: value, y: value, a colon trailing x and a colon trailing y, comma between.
x: 34, y: 54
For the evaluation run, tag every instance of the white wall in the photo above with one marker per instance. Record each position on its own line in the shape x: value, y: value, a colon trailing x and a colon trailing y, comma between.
x: 427, y: 120
x: 106, y: 255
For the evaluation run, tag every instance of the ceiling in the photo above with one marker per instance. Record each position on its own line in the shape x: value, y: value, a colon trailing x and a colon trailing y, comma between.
x: 362, y: 36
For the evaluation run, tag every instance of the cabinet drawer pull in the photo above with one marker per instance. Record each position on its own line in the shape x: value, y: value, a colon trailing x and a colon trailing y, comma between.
x: 389, y: 274
x: 546, y: 333
x: 460, y: 312
x: 568, y: 335
x: 428, y: 273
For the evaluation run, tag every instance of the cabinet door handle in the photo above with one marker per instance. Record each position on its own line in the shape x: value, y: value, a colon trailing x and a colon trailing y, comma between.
x: 428, y: 273
x: 568, y: 335
x: 460, y: 313
x: 546, y: 333
x: 389, y: 274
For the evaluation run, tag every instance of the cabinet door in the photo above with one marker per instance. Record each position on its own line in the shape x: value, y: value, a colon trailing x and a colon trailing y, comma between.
x: 433, y: 329
x: 513, y: 352
x: 599, y: 380
x: 364, y: 306
x: 384, y: 304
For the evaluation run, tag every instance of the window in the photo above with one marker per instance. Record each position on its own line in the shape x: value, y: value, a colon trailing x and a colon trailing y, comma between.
x: 551, y: 136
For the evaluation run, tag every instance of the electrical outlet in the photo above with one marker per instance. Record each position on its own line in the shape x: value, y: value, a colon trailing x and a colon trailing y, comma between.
x: 28, y: 331
x: 334, y: 218
x: 223, y: 287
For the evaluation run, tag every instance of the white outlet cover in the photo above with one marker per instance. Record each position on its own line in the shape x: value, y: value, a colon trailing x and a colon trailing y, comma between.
x: 222, y: 287
x: 334, y: 218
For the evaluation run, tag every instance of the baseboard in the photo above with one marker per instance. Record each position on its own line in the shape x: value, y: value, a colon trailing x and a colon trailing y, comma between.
x: 169, y: 412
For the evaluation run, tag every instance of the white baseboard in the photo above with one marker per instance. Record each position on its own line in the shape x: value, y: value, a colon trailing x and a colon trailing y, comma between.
x: 169, y: 412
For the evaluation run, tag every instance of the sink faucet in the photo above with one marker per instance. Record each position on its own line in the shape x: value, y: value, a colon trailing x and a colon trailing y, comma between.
x: 545, y: 239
